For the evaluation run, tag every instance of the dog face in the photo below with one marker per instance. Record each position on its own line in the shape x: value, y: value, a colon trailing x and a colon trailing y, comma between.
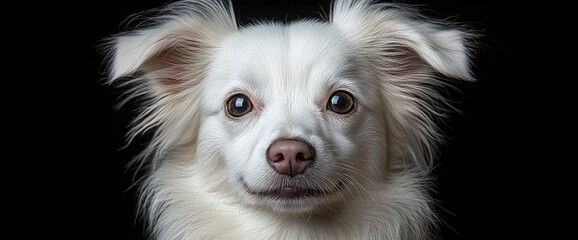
x: 299, y: 117
x: 292, y: 115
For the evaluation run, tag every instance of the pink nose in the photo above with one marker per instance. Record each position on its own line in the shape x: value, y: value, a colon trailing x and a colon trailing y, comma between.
x: 290, y: 157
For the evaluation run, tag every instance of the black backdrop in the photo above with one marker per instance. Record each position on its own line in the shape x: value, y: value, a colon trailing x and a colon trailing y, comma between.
x: 490, y: 175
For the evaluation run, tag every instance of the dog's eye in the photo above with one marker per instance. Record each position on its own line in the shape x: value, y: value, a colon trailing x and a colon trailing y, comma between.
x: 341, y: 102
x: 239, y: 105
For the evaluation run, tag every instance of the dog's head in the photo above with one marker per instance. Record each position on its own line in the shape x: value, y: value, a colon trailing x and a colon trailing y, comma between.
x: 295, y: 116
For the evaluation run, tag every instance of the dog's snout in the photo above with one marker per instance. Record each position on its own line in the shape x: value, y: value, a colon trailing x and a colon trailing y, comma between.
x: 290, y: 157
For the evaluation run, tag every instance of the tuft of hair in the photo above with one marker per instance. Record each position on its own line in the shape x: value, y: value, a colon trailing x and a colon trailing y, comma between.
x: 415, y: 57
x: 161, y: 64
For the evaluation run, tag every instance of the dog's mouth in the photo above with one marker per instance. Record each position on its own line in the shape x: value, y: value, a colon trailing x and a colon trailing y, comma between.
x: 294, y: 191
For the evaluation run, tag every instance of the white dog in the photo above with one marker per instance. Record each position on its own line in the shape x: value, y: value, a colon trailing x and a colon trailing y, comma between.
x: 311, y: 129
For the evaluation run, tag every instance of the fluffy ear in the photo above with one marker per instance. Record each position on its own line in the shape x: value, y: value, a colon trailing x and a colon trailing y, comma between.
x: 412, y: 56
x: 174, y: 47
x: 163, y: 63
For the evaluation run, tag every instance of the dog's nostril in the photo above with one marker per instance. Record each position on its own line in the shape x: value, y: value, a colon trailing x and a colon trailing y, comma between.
x: 301, y: 156
x: 277, y: 157
x: 290, y: 157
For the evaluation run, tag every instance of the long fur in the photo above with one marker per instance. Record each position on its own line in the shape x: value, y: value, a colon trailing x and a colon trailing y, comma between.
x: 393, y: 59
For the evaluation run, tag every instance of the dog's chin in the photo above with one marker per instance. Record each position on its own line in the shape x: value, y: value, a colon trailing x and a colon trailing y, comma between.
x: 294, y: 198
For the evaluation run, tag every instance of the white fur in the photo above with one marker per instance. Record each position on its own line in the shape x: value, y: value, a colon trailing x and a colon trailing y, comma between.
x: 202, y: 164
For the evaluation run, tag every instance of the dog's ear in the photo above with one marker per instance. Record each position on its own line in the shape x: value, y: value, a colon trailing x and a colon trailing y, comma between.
x: 173, y: 49
x: 162, y: 63
x: 412, y: 57
x: 403, y: 38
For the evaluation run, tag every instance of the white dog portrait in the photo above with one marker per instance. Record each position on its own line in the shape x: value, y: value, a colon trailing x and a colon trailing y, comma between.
x: 310, y: 129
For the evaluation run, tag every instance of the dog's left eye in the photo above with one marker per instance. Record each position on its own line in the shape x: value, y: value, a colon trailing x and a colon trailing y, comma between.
x: 239, y: 105
x: 341, y: 102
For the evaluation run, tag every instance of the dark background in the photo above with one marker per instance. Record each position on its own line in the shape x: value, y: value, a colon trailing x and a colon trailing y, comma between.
x: 494, y: 175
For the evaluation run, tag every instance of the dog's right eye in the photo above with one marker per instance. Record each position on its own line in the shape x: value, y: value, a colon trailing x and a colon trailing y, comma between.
x: 239, y: 105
